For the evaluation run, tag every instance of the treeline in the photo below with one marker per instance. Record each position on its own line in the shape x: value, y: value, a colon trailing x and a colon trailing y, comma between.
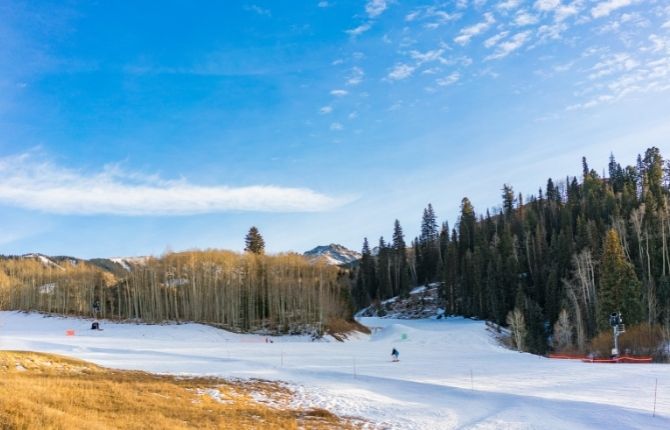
x: 281, y: 293
x: 558, y: 261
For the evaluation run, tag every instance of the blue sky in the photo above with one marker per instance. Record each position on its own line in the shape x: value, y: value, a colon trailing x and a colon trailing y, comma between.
x: 131, y: 128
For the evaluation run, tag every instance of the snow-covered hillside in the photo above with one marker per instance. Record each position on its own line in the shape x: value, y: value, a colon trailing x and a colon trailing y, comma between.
x: 422, y: 302
x: 333, y: 254
x: 46, y: 260
x: 451, y: 374
x: 128, y: 262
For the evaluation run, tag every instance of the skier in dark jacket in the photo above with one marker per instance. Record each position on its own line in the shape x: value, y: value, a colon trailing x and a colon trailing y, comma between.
x: 395, y: 354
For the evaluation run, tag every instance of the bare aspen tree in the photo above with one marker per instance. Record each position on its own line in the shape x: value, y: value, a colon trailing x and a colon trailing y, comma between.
x: 517, y: 326
x: 562, y: 338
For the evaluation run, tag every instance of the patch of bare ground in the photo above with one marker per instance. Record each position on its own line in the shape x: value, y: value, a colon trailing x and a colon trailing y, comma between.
x: 44, y: 391
x: 341, y: 329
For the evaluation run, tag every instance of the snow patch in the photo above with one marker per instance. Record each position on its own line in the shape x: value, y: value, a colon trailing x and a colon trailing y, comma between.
x: 452, y: 372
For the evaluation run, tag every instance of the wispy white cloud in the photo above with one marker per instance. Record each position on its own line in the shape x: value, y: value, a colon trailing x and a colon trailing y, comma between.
x: 612, y: 64
x: 401, y: 71
x: 428, y: 56
x: 448, y: 80
x: 412, y: 16
x: 468, y: 33
x: 375, y: 8
x: 547, y: 5
x: 43, y: 186
x: 354, y: 32
x: 434, y: 16
x: 339, y: 93
x: 617, y: 24
x: 615, y: 76
x: 493, y: 40
x: 356, y: 76
x: 659, y: 43
x: 560, y: 68
x: 524, y: 18
x: 440, y: 16
x: 591, y: 103
x: 431, y: 71
x: 508, y: 4
x: 258, y: 10
x: 336, y: 126
x: 323, y: 3
x: 325, y: 110
x: 564, y: 11
x: 507, y: 47
x: 606, y: 7
x: 551, y: 31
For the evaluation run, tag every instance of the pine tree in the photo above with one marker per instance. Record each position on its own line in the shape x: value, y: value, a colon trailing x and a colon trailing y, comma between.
x: 429, y: 247
x: 400, y: 271
x: 508, y: 200
x: 466, y: 227
x: 619, y: 287
x: 585, y: 167
x: 383, y: 276
x: 254, y: 242
x: 366, y: 283
x: 552, y: 193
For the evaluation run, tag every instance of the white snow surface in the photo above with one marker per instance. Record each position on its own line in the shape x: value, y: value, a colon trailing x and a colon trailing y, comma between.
x: 127, y: 262
x: 452, y: 373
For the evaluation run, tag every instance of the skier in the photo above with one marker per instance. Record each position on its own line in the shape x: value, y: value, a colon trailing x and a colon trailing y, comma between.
x: 395, y: 354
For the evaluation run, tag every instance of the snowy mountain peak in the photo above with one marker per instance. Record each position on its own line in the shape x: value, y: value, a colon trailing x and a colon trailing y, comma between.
x: 46, y: 260
x: 333, y: 254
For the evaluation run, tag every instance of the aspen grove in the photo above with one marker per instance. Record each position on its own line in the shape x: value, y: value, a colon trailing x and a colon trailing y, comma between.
x: 282, y: 293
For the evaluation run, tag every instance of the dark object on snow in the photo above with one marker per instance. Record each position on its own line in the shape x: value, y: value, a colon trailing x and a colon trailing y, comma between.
x: 95, y: 325
x: 395, y: 354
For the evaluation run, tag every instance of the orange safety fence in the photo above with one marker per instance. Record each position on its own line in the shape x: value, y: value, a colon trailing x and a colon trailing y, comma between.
x: 585, y: 359
x: 567, y: 356
x: 622, y: 359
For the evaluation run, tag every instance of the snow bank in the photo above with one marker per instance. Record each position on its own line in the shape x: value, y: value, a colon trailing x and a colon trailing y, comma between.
x: 452, y: 373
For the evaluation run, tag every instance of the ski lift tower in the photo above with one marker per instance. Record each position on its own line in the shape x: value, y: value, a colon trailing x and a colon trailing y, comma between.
x: 616, y: 321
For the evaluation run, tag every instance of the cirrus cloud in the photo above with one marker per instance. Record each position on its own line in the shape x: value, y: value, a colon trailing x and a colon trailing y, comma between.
x: 43, y: 186
x: 375, y: 8
x: 468, y: 33
x: 401, y: 71
x: 606, y: 7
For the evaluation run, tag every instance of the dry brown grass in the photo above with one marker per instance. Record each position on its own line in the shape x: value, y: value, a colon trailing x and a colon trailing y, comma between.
x: 641, y: 339
x: 340, y: 328
x: 43, y: 391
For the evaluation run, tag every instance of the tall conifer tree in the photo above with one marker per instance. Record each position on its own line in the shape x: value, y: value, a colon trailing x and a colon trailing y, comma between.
x: 254, y: 242
x: 619, y: 286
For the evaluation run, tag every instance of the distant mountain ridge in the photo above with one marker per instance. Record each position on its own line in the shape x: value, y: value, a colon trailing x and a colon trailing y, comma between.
x: 117, y: 266
x: 334, y: 254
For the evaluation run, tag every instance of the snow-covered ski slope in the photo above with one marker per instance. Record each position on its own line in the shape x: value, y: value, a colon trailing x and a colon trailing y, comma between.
x: 451, y: 374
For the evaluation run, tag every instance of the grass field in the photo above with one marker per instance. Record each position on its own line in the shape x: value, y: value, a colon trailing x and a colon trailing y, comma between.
x: 45, y: 391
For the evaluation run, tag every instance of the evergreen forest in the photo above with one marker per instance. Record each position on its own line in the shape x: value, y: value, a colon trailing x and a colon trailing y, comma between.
x: 553, y: 265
